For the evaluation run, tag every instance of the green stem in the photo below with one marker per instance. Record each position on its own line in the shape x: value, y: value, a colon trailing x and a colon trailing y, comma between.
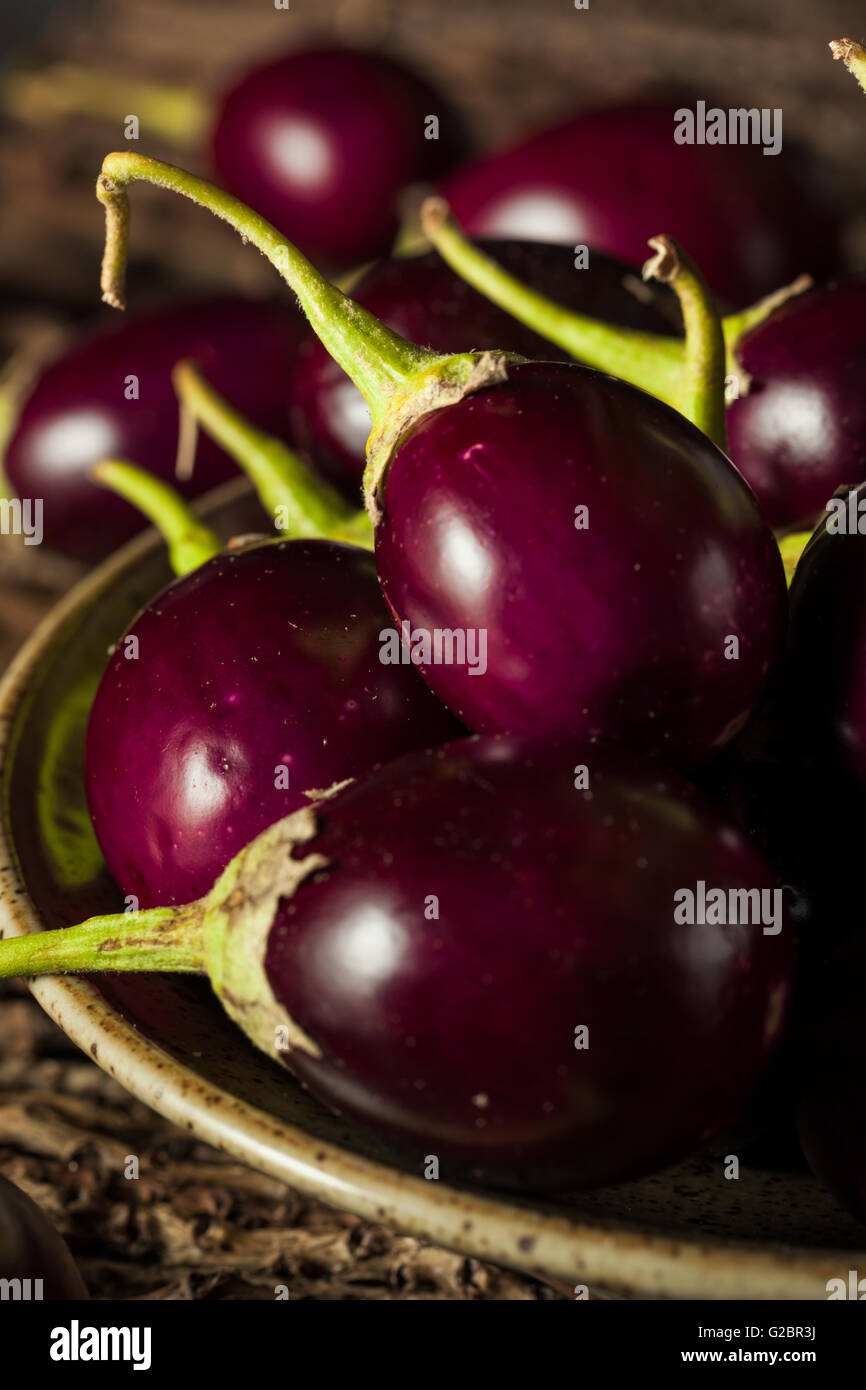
x: 702, y: 392
x: 736, y: 326
x: 853, y: 55
x: 179, y: 114
x: 190, y: 543
x: 379, y: 362
x: 287, y: 488
x: 157, y: 938
x: 648, y: 360
x: 400, y: 381
x: 791, y: 548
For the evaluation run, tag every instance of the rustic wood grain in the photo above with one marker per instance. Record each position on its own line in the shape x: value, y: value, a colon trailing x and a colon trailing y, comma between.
x: 194, y: 1224
x: 511, y: 65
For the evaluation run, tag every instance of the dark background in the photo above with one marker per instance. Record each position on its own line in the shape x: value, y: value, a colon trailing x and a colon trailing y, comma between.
x: 510, y: 64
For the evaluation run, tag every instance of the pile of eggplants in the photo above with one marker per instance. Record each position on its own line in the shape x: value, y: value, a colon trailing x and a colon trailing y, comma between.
x: 492, y: 792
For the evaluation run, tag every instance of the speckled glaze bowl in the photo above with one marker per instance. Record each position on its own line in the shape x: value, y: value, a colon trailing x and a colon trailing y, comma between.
x: 686, y: 1233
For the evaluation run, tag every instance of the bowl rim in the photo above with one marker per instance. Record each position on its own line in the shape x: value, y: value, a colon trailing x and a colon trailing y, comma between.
x: 605, y: 1254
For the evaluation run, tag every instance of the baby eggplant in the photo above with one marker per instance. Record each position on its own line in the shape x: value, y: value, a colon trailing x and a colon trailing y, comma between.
x: 499, y: 955
x: 110, y: 395
x: 323, y: 141
x: 423, y: 300
x: 607, y: 177
x: 250, y: 679
x: 604, y: 552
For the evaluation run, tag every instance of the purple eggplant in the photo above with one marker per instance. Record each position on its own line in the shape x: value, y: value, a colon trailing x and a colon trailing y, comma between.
x: 323, y: 142
x: 524, y: 961
x: 35, y: 1262
x: 111, y: 395
x: 242, y: 686
x: 610, y: 178
x: 423, y: 300
x: 800, y: 432
x: 541, y: 923
x: 604, y: 550
x: 796, y: 416
x: 609, y: 559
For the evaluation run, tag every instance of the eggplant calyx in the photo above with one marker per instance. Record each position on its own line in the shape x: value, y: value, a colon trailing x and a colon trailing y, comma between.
x: 241, y: 909
x: 445, y: 382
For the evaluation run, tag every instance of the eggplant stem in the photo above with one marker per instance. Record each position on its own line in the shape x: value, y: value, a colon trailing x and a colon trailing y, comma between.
x: 853, y: 55
x: 177, y: 114
x: 190, y: 542
x: 736, y: 326
x: 791, y: 548
x: 400, y: 381
x: 703, y: 384
x: 164, y: 939
x: 282, y: 480
x: 378, y: 361
x: 647, y: 360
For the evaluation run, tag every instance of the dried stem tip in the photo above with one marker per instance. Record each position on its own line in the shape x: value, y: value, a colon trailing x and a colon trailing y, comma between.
x: 112, y: 280
x: 665, y: 265
x: 435, y: 212
x: 853, y: 55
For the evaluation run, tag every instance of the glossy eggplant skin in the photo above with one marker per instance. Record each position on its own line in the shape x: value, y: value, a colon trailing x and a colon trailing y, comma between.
x: 31, y: 1249
x: 422, y: 299
x: 613, y: 177
x: 611, y: 624
x: 800, y: 432
x: 323, y: 141
x: 481, y: 905
x: 832, y: 1048
x: 257, y: 679
x: 110, y: 396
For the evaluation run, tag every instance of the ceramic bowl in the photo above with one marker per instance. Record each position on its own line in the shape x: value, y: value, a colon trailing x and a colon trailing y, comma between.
x: 689, y: 1232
